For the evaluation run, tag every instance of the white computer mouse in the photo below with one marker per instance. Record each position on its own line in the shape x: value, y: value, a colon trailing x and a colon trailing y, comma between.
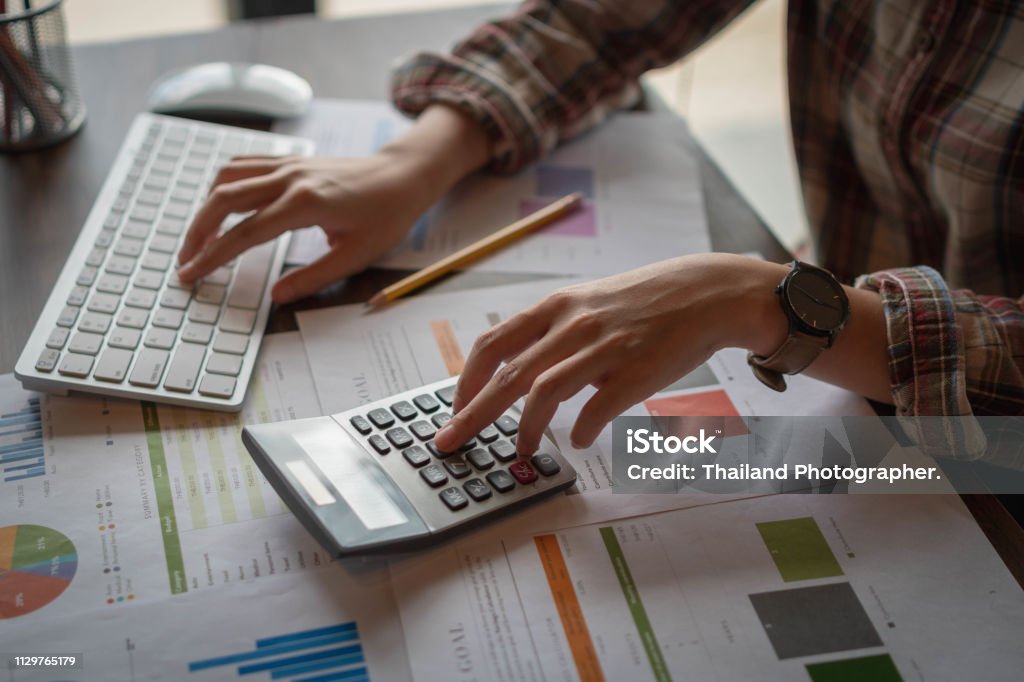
x: 231, y: 89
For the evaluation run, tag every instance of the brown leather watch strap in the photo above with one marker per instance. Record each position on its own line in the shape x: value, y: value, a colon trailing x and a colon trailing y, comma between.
x: 793, y: 356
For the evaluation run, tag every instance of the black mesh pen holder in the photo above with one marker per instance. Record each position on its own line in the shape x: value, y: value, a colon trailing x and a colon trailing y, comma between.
x: 39, y: 100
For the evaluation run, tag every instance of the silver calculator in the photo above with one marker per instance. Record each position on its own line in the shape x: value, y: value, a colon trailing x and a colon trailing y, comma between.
x: 370, y: 480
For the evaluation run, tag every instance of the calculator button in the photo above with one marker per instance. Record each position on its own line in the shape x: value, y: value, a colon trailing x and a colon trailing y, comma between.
x: 457, y: 467
x: 416, y: 456
x: 488, y: 435
x: 426, y: 402
x: 440, y: 419
x: 503, y: 450
x: 454, y: 498
x: 480, y: 459
x: 546, y: 464
x: 434, y: 475
x: 468, y: 445
x: 477, y: 489
x: 381, y: 418
x: 399, y: 437
x: 440, y: 454
x: 446, y: 395
x: 501, y: 481
x: 403, y: 410
x: 379, y: 444
x: 422, y: 430
x: 523, y: 472
x: 360, y: 424
x: 507, y: 425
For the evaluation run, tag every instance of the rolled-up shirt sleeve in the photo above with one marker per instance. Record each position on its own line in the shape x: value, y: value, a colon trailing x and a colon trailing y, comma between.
x: 952, y: 353
x: 555, y: 68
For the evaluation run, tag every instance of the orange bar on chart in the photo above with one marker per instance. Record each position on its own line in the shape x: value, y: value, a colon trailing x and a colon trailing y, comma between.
x: 568, y: 604
x: 444, y: 335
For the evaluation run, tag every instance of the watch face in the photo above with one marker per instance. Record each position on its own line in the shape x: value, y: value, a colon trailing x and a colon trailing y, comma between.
x: 818, y: 300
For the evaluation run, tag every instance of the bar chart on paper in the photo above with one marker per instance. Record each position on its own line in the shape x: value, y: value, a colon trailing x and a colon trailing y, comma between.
x: 323, y: 654
x: 21, y: 438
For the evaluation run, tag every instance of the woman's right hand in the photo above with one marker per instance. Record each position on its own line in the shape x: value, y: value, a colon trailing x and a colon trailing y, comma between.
x: 365, y: 206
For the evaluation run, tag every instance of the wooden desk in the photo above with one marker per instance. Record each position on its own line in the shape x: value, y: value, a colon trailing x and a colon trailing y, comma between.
x: 45, y: 197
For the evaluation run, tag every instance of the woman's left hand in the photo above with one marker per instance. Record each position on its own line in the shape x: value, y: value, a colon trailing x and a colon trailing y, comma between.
x: 628, y: 335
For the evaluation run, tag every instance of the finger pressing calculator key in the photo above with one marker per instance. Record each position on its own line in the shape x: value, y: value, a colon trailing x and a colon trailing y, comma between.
x: 336, y: 474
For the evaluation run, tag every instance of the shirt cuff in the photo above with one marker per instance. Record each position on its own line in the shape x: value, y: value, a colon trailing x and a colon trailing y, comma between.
x: 429, y: 78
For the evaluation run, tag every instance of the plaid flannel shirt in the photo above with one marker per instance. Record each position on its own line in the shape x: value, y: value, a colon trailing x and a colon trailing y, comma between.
x: 907, y: 122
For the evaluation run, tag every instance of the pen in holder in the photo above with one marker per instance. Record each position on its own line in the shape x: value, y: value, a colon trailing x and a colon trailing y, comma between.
x: 39, y: 100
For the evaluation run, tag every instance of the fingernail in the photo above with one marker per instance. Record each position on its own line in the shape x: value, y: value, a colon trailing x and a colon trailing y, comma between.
x: 574, y: 444
x: 186, y: 270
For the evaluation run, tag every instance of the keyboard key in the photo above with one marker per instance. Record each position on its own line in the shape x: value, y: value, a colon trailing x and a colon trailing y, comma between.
x: 113, y: 365
x: 219, y: 276
x: 477, y: 489
x: 379, y: 444
x: 437, y: 452
x: 177, y: 209
x: 453, y: 498
x: 97, y: 323
x: 204, y: 312
x: 251, y: 276
x: 47, y: 360
x: 358, y: 422
x: 176, y: 298
x: 446, y: 395
x: 172, y: 227
x: 174, y: 282
x: 457, y: 467
x: 227, y: 342
x: 106, y: 237
x: 416, y: 456
x: 163, y: 243
x: 149, y: 279
x: 150, y: 197
x: 112, y: 284
x: 119, y: 265
x: 403, y: 410
x: 523, y: 472
x: 184, y: 370
x: 210, y: 293
x: 58, y: 337
x: 468, y: 445
x: 160, y: 338
x: 168, y: 318
x: 78, y: 295
x: 197, y: 332
x: 222, y: 363
x: 75, y: 365
x: 133, y: 317
x: 399, y: 437
x: 140, y: 298
x: 432, y: 474
x: 125, y: 338
x: 488, y: 435
x: 162, y: 167
x: 217, y: 386
x: 103, y: 303
x: 154, y: 260
x: 503, y: 451
x: 381, y: 418
x: 546, y: 464
x: 507, y: 425
x: 95, y: 257
x: 480, y: 458
x: 128, y: 246
x: 238, y: 320
x: 422, y: 430
x: 440, y: 419
x: 143, y: 214
x: 87, y: 276
x: 86, y: 343
x: 136, y: 229
x: 67, y: 316
x: 426, y: 403
x: 501, y: 481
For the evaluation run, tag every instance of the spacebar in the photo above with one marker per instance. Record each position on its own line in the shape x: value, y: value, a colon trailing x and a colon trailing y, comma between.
x: 251, y: 276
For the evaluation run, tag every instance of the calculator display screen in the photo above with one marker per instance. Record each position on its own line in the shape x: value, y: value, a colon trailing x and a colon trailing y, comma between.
x: 347, y: 473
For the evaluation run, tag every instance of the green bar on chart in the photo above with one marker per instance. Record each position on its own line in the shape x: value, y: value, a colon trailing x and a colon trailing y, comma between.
x: 164, y: 500
x: 798, y: 549
x: 875, y: 668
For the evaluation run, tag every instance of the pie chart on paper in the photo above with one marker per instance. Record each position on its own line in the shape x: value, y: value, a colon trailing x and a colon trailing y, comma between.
x: 36, y: 565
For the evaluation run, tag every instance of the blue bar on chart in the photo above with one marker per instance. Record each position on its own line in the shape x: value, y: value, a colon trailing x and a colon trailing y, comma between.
x: 21, y: 442
x: 327, y: 654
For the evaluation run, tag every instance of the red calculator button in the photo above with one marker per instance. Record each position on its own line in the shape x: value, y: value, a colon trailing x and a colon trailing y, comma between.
x: 523, y: 472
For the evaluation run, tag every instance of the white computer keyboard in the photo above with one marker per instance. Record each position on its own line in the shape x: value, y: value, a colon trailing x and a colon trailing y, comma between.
x: 118, y: 321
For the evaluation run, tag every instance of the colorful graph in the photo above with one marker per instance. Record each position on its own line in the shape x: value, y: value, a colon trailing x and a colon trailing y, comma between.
x: 322, y: 654
x: 36, y: 565
x: 21, y: 443
x: 799, y: 550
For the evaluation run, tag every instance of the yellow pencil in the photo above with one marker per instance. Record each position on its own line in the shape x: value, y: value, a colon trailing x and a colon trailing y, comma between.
x: 492, y: 242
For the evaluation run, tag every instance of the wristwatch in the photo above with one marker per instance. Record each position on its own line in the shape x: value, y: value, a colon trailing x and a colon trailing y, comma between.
x: 816, y: 306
